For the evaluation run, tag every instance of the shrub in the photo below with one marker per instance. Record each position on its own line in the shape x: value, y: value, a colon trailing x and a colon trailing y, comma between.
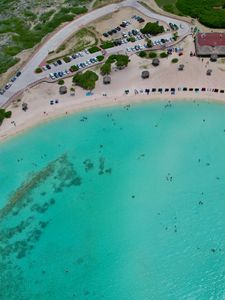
x: 38, y: 70
x: 74, y: 68
x: 152, y: 28
x: 152, y: 55
x: 100, y: 57
x: 86, y: 80
x: 142, y: 54
x: 105, y: 69
x: 66, y: 59
x: 60, y: 81
x: 131, y: 39
x: 149, y: 44
x: 94, y: 49
x: 163, y: 55
x: 107, y: 44
x: 174, y: 60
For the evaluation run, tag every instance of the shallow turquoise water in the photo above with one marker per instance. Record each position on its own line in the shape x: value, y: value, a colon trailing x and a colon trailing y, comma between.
x: 120, y: 203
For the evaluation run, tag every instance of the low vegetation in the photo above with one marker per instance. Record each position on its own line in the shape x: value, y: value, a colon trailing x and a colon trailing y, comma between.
x: 4, y: 115
x: 86, y: 80
x: 21, y: 28
x: 152, y: 28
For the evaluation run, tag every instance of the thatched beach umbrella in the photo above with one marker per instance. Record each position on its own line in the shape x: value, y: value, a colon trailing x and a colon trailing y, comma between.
x: 155, y: 62
x: 106, y: 79
x: 145, y: 74
x: 63, y: 90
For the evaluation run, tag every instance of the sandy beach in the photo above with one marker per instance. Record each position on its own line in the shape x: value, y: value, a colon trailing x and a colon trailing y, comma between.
x: 166, y: 75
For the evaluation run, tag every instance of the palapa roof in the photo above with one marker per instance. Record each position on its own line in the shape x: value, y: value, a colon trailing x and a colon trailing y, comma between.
x: 106, y: 79
x: 63, y: 89
x: 155, y: 62
x: 145, y: 74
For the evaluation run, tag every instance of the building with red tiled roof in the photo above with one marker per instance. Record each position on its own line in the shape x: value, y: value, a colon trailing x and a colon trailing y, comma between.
x: 208, y: 44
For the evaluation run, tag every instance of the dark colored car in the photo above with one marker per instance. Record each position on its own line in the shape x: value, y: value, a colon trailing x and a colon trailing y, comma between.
x: 105, y: 34
x: 110, y: 32
x: 59, y: 62
x: 18, y: 74
x: 48, y: 67
x: 118, y: 28
x: 123, y: 25
x: 114, y: 31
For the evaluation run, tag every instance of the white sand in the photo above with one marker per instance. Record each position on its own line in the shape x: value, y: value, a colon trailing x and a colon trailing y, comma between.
x: 166, y: 76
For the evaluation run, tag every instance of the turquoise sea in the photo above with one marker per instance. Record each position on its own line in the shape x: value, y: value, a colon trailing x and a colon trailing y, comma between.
x: 122, y: 203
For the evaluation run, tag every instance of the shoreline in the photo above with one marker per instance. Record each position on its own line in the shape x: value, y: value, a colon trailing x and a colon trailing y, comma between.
x: 100, y: 103
x: 165, y: 76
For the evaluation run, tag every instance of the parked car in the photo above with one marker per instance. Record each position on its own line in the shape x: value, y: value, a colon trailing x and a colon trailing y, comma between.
x: 13, y: 79
x: 44, y: 68
x: 55, y: 63
x: 8, y: 85
x: 59, y: 62
x: 18, y: 74
x: 105, y: 34
x: 2, y: 91
x: 48, y: 67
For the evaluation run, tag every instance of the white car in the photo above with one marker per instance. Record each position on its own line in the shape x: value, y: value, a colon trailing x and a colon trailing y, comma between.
x: 128, y: 49
x: 45, y: 68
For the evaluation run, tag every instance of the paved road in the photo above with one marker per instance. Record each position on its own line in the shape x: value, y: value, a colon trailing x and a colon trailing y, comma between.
x: 28, y: 76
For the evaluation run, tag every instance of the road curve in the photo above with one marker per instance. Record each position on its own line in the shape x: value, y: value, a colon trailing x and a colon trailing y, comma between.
x: 28, y: 76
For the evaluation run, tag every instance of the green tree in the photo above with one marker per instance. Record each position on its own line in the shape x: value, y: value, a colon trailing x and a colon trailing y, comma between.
x: 106, y: 69
x: 152, y: 28
x: 163, y: 54
x: 142, y: 54
x: 152, y: 55
x: 4, y: 114
x: 100, y: 57
x: 86, y: 80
